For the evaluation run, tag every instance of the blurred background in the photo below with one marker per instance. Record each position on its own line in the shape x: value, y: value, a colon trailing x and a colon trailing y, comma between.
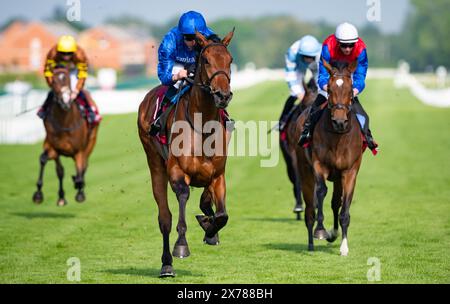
x: 401, y: 208
x: 122, y: 38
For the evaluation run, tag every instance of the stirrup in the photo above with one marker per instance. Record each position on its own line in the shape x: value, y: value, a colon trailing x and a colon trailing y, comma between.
x: 304, y: 138
x: 155, y: 127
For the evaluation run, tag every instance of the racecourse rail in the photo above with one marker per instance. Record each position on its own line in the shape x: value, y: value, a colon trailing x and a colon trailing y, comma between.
x: 20, y: 125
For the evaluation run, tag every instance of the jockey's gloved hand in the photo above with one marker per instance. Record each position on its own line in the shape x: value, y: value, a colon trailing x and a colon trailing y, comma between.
x: 190, y: 72
x: 190, y: 69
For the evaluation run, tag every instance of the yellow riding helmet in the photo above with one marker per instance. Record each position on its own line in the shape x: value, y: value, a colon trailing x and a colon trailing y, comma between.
x: 66, y: 44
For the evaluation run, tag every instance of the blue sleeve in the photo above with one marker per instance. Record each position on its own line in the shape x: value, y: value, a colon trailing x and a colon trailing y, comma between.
x: 324, y: 76
x: 166, y: 58
x: 359, y: 76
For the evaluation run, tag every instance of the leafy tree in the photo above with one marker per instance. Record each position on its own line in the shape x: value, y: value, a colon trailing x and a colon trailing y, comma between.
x: 425, y: 40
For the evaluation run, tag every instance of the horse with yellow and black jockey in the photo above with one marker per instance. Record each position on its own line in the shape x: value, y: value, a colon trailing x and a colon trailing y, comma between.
x: 67, y: 54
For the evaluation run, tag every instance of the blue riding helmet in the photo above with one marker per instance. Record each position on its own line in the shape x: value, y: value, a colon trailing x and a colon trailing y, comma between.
x: 309, y: 46
x: 190, y: 22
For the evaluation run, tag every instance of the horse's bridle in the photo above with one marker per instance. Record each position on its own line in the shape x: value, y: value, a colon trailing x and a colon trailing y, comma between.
x: 206, y: 86
x: 340, y: 105
x: 54, y: 123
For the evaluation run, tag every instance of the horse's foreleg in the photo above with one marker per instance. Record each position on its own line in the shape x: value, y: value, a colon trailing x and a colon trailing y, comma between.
x: 78, y: 179
x: 181, y: 189
x: 220, y: 219
x: 38, y: 196
x: 320, y: 191
x: 60, y: 173
x: 206, y: 220
x: 336, y: 203
x: 348, y: 185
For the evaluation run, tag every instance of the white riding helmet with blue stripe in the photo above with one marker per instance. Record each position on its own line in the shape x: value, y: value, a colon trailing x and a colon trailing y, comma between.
x: 309, y: 46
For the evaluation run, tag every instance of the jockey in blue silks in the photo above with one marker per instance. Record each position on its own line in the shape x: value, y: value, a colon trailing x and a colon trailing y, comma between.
x: 178, y: 52
x: 303, y: 54
x: 344, y: 45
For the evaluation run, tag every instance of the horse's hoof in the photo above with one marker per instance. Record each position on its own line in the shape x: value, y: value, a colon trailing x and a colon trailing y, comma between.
x: 167, y: 272
x: 310, y: 247
x: 298, y: 216
x: 332, y: 236
x: 211, y: 240
x: 321, y: 234
x: 38, y: 197
x: 61, y: 202
x: 80, y: 197
x: 181, y: 251
x: 298, y: 209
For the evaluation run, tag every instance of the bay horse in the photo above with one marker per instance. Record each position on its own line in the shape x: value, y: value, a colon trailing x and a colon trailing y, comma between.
x: 288, y: 142
x: 67, y: 134
x: 335, y: 154
x: 209, y: 94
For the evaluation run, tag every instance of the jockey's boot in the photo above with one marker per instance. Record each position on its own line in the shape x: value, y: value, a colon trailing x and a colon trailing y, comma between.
x: 156, y: 125
x: 310, y: 121
x: 91, y: 115
x: 371, y: 143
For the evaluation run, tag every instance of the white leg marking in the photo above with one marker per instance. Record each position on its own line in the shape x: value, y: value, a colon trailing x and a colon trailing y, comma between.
x: 344, y: 247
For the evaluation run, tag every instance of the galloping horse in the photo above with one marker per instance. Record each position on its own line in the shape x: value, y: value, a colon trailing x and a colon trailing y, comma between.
x: 209, y: 94
x: 335, y: 154
x: 68, y: 134
x: 288, y: 142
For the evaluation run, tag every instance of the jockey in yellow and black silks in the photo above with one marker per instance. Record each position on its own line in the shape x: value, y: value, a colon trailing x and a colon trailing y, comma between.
x: 66, y: 53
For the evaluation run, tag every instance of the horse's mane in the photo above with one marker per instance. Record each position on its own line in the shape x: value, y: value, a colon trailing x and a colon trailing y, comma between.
x: 312, y: 85
x: 339, y: 64
x: 213, y: 38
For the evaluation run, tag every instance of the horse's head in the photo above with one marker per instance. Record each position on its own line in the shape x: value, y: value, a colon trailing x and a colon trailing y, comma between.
x: 310, y: 87
x: 213, y: 70
x: 61, y: 87
x: 340, y: 91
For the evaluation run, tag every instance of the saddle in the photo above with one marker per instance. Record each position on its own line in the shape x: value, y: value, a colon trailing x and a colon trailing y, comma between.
x: 322, y: 108
x: 166, y: 106
x: 83, y: 104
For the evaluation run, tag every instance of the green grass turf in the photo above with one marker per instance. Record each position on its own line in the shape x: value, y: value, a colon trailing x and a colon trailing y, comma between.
x: 400, y: 213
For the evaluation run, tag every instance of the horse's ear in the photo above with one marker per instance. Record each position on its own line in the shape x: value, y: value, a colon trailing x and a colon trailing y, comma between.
x: 352, y: 67
x: 202, y: 41
x: 327, y: 66
x: 228, y: 37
